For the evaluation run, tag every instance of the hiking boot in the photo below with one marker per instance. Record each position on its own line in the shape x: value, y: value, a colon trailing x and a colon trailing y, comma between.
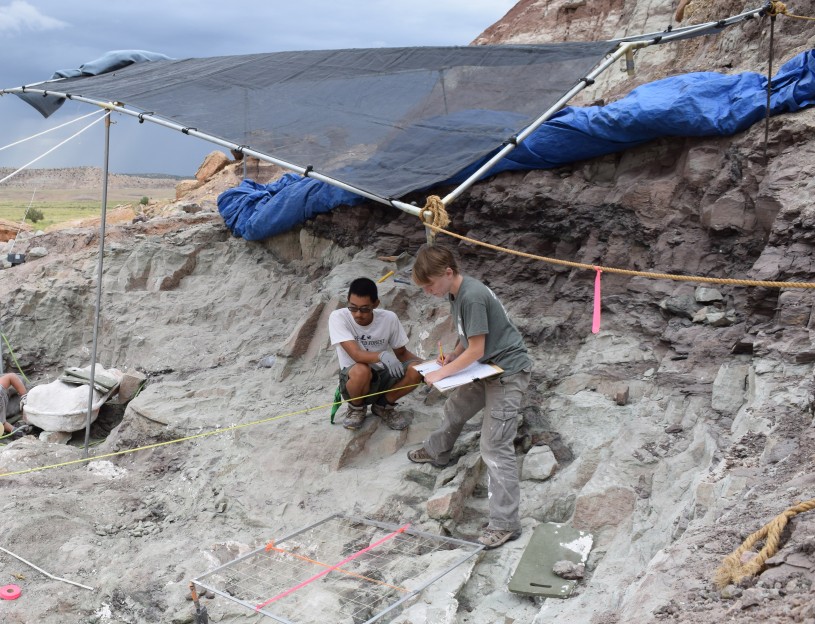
x: 421, y: 456
x: 20, y: 431
x: 493, y: 538
x: 354, y: 416
x: 389, y: 416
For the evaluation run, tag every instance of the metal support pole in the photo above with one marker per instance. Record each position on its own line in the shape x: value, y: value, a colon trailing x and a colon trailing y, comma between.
x: 98, y: 306
x: 620, y: 52
x: 769, y: 90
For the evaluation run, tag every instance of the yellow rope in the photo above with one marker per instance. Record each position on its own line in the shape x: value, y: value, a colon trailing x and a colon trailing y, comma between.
x: 733, y: 570
x: 779, y: 8
x: 11, y: 353
x: 194, y: 437
x: 594, y: 267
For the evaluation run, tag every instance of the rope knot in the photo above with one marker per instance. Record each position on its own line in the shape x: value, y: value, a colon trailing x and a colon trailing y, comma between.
x: 438, y: 213
x: 777, y: 8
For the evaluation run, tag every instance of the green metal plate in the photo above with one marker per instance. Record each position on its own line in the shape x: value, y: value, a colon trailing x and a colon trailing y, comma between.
x: 551, y: 542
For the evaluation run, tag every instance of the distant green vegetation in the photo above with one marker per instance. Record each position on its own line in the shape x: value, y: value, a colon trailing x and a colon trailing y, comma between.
x: 53, y: 212
x: 34, y: 215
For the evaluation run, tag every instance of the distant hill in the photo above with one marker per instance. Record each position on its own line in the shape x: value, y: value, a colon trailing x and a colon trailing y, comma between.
x: 86, y: 178
x: 157, y: 176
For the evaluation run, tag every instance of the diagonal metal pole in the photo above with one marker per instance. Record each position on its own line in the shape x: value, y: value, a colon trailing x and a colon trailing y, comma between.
x: 98, y: 306
x: 769, y: 90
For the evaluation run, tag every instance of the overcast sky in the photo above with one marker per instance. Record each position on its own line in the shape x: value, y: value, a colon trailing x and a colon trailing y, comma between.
x: 38, y: 37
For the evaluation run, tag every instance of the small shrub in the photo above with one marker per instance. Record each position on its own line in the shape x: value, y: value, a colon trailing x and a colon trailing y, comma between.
x: 35, y: 215
x: 144, y: 201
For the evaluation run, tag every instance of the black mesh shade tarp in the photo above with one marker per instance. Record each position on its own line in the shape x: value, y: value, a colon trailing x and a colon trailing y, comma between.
x: 386, y: 120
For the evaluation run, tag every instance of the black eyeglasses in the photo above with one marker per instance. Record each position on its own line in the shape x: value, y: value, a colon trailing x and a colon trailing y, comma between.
x: 364, y: 309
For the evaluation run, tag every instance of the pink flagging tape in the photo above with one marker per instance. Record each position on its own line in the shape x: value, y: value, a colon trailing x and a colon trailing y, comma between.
x: 334, y: 567
x: 595, y: 322
x: 10, y: 592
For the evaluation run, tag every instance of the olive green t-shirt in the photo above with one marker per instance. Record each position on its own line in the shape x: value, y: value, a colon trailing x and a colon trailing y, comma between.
x: 476, y: 311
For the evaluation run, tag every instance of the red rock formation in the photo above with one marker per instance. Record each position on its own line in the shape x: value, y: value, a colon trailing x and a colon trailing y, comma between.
x: 9, y: 229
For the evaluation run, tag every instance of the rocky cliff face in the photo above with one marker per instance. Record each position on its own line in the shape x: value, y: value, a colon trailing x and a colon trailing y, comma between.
x: 678, y: 430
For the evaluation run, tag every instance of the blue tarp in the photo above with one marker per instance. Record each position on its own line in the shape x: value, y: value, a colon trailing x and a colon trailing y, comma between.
x: 696, y: 104
x: 256, y: 211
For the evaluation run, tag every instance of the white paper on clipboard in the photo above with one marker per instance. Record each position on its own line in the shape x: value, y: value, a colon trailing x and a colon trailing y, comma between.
x: 474, y: 371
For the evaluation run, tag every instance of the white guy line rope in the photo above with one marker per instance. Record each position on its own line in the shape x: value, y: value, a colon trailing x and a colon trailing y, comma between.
x: 14, y: 240
x: 34, y: 136
x: 41, y: 571
x: 73, y: 136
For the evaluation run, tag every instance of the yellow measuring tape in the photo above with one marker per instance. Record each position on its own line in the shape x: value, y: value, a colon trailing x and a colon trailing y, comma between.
x: 197, y: 436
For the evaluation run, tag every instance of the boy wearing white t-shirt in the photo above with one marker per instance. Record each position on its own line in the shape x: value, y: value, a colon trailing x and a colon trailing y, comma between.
x: 372, y: 351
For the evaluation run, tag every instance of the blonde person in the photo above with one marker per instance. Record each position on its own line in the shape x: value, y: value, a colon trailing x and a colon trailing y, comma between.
x: 10, y: 380
x: 372, y: 352
x: 485, y: 334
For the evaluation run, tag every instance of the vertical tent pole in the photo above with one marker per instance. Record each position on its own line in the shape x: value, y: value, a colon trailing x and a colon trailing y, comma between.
x: 98, y: 279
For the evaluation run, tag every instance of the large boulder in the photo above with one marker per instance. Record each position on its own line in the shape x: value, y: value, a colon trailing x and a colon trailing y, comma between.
x: 213, y: 163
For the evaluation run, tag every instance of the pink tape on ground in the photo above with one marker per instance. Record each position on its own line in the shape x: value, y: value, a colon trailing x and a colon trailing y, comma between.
x: 334, y: 567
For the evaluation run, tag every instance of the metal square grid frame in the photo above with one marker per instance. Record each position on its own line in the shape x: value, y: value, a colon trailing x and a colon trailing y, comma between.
x: 340, y: 570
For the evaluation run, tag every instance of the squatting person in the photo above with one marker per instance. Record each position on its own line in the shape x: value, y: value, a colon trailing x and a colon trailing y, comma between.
x: 373, y: 356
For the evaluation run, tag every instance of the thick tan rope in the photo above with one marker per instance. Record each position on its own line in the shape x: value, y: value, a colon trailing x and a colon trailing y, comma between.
x: 733, y: 570
x: 594, y: 267
x: 438, y: 214
x: 779, y: 8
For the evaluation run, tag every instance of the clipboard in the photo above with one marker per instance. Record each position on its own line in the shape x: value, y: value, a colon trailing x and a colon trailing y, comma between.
x: 473, y: 372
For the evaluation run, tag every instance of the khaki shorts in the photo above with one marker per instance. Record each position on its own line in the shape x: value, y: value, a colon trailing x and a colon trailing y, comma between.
x: 381, y: 380
x: 3, y: 403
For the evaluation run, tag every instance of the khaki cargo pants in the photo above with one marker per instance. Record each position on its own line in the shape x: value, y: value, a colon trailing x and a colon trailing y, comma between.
x: 500, y: 398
